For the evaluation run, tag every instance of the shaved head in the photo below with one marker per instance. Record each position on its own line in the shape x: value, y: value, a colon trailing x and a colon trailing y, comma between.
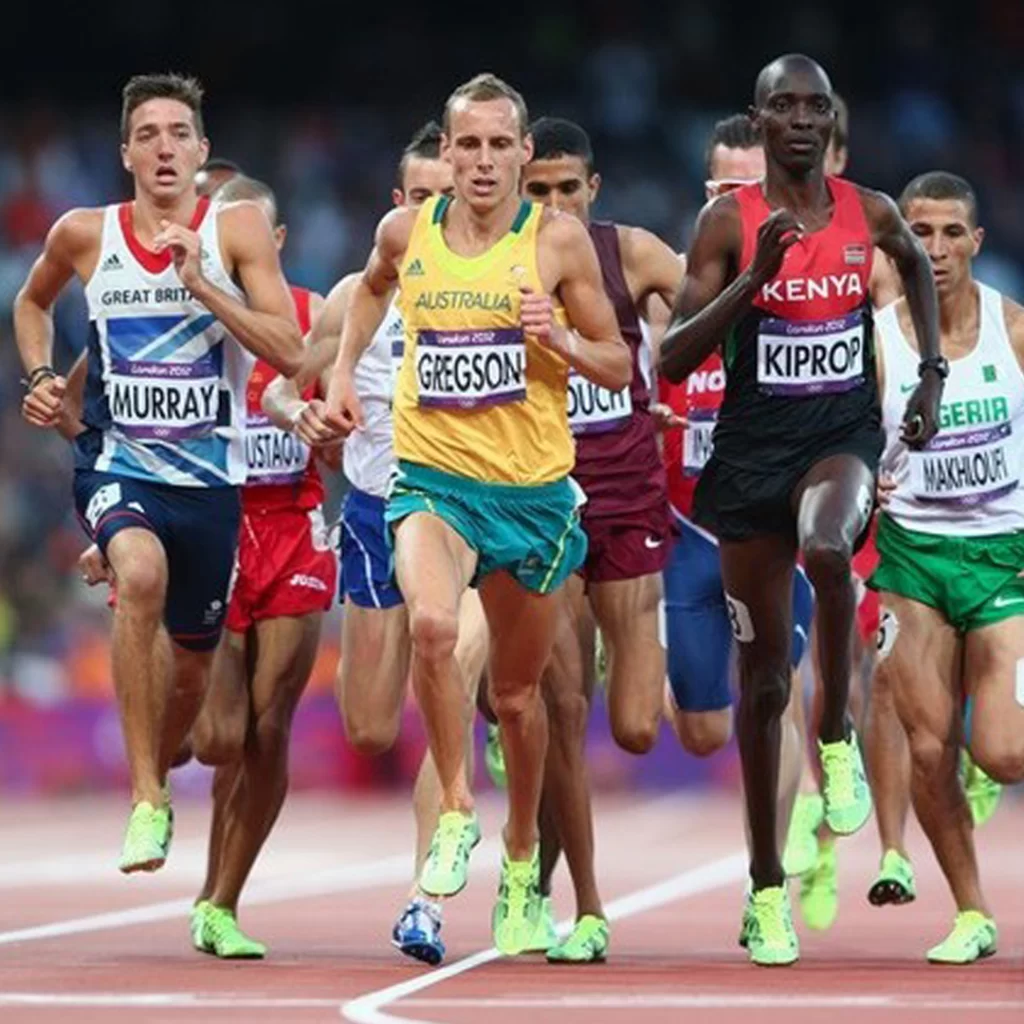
x: 792, y: 64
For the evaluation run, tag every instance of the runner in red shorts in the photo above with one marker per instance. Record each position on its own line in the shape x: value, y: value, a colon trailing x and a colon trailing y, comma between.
x: 285, y: 578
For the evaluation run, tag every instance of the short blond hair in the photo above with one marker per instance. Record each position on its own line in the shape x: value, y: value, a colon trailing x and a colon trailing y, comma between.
x: 480, y: 89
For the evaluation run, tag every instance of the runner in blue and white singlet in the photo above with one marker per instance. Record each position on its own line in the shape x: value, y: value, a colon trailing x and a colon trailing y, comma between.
x: 165, y: 392
x: 161, y: 455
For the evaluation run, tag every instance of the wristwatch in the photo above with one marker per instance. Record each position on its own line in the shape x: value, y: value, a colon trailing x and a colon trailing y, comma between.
x: 940, y: 364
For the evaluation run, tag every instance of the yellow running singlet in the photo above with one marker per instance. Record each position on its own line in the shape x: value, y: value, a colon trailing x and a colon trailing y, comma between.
x: 474, y: 396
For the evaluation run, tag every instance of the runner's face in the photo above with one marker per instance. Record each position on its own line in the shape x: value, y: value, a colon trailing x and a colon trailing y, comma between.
x: 163, y: 151
x: 423, y: 178
x: 487, y: 150
x: 944, y: 228
x: 732, y: 167
x: 563, y: 184
x: 796, y: 120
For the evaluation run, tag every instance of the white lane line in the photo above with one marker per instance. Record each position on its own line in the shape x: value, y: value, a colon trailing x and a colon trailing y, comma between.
x: 366, y: 875
x: 682, y: 1001
x: 161, y: 1000
x: 368, y: 1008
x: 596, y: 1001
x: 347, y: 878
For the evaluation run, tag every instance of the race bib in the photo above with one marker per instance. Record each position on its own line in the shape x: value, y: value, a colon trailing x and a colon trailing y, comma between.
x: 697, y: 441
x: 801, y: 358
x: 471, y: 369
x: 273, y: 456
x: 966, y: 468
x: 164, y: 401
x: 595, y: 410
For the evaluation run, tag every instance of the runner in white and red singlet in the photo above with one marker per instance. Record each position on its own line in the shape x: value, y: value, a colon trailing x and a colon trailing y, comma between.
x: 285, y: 578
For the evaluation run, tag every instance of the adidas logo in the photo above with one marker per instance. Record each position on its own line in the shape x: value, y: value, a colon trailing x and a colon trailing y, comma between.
x: 112, y: 262
x: 415, y: 269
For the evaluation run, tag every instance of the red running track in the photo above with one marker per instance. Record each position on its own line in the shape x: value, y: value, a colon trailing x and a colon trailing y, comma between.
x: 80, y: 943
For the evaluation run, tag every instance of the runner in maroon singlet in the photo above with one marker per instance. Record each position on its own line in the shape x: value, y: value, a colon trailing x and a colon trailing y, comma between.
x: 780, y: 270
x: 627, y: 522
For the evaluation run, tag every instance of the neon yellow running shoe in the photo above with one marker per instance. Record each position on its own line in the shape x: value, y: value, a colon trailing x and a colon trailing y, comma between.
x: 974, y: 936
x: 546, y: 936
x: 844, y: 785
x: 147, y: 838
x: 982, y: 792
x: 588, y: 943
x: 747, y: 921
x: 801, y: 851
x: 215, y: 930
x: 517, y: 910
x: 494, y: 757
x: 819, y: 891
x: 446, y: 869
x: 772, y: 941
x: 895, y: 881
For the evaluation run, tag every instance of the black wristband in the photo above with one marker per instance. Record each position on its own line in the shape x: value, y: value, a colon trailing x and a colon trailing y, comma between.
x: 940, y: 364
x: 40, y: 373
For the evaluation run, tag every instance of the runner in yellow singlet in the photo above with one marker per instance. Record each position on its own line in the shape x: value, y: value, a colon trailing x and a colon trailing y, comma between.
x: 482, y: 492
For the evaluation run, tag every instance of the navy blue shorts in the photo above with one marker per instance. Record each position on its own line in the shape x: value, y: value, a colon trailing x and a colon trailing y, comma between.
x: 698, y: 626
x: 365, y: 557
x: 198, y: 528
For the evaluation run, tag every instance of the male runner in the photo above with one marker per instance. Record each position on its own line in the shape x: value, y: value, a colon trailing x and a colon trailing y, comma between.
x: 158, y: 468
x: 284, y: 583
x: 780, y: 269
x: 810, y: 848
x: 627, y: 524
x: 482, y: 490
x: 374, y: 668
x: 697, y: 617
x: 951, y: 548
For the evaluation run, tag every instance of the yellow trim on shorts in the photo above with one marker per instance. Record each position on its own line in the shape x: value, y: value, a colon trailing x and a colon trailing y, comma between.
x: 560, y: 554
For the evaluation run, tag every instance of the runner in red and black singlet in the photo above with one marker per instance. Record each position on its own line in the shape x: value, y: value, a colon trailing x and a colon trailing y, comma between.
x: 780, y: 270
x: 285, y: 575
x: 626, y: 519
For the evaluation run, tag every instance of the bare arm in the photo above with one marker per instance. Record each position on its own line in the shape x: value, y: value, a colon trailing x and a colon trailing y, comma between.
x: 282, y: 400
x: 593, y: 347
x: 893, y: 236
x: 705, y: 307
x: 71, y: 248
x: 651, y: 267
x: 266, y: 326
x: 367, y: 307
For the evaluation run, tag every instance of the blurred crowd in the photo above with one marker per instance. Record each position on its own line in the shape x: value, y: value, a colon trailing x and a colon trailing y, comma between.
x: 925, y: 90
